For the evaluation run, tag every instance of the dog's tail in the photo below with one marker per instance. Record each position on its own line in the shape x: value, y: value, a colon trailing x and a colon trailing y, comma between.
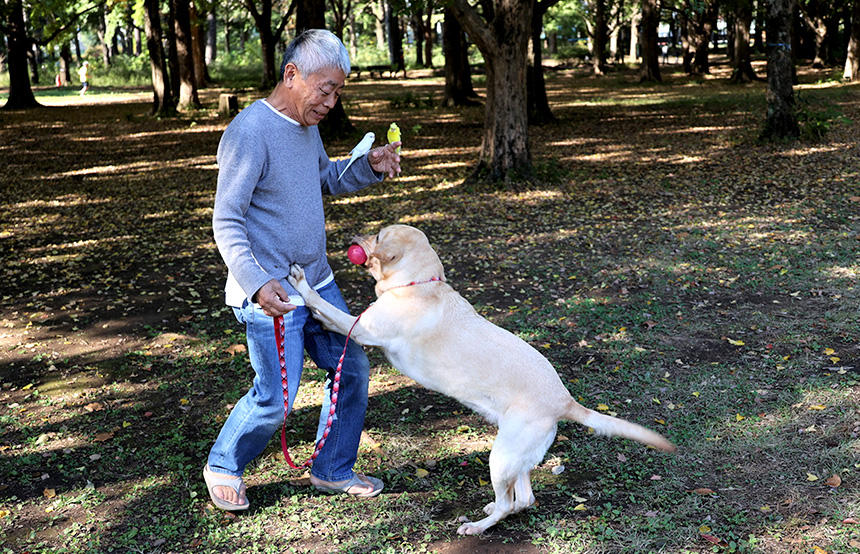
x: 613, y: 426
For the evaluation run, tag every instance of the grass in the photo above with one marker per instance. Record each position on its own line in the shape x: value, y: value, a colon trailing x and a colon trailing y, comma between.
x: 674, y: 270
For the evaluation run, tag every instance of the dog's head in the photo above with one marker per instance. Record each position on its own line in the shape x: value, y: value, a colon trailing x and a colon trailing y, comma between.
x: 399, y: 254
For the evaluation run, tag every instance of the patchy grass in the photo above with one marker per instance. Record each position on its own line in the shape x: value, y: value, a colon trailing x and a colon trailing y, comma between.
x: 675, y: 271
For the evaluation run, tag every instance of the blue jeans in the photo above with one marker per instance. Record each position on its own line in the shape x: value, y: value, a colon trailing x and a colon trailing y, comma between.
x: 260, y: 413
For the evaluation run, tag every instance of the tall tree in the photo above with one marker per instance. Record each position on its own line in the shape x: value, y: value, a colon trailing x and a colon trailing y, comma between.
x: 701, y: 19
x: 538, y: 103
x: 599, y: 37
x: 188, y: 97
x: 852, y: 60
x: 310, y: 14
x: 458, y: 73
x: 262, y: 16
x: 650, y: 69
x: 502, y: 36
x: 162, y: 95
x: 815, y: 14
x: 781, y: 120
x: 742, y: 71
x: 20, y: 92
x: 395, y: 37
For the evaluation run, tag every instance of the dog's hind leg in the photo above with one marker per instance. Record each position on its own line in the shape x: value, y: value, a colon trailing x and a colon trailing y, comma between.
x: 519, y: 446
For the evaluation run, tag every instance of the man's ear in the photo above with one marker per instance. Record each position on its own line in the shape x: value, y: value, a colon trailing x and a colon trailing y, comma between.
x: 290, y: 73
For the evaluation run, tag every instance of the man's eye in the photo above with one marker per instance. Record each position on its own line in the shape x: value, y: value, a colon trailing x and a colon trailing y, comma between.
x: 324, y: 93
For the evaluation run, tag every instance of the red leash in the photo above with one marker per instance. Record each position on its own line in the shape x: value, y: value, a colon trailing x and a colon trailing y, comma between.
x: 279, y: 340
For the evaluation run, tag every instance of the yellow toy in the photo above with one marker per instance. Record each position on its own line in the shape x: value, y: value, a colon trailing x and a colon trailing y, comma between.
x: 394, y: 134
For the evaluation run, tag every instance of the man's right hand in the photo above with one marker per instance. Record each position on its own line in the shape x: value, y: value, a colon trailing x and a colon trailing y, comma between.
x: 273, y: 299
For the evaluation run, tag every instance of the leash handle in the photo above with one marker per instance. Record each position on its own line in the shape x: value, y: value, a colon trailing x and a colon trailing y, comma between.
x: 280, y: 334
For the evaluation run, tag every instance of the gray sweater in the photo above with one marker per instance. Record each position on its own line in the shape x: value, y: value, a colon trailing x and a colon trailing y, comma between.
x: 268, y: 212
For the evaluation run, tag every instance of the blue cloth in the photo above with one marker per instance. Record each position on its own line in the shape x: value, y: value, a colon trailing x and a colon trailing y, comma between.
x: 260, y: 413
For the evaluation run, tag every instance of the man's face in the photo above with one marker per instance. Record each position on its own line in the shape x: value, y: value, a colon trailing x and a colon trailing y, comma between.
x: 314, y: 94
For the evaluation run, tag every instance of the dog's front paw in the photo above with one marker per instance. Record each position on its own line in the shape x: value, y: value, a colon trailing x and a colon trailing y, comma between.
x: 297, y: 279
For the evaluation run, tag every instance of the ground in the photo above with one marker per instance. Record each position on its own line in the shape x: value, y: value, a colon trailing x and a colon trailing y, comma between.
x: 676, y: 271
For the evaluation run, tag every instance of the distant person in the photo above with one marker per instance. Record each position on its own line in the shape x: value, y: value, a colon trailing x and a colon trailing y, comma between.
x: 272, y: 174
x: 84, y: 74
x: 665, y: 50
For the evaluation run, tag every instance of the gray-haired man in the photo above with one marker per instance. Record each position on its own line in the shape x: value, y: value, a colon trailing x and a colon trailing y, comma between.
x: 273, y: 171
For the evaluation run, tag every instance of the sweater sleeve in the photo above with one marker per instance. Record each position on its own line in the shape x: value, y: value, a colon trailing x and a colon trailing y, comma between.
x: 241, y: 162
x: 358, y: 176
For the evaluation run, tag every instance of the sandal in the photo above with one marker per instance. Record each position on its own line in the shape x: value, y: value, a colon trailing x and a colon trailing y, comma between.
x: 344, y: 487
x: 215, y: 480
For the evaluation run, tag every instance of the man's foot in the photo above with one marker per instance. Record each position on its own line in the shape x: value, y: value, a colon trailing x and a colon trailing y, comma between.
x: 226, y: 491
x: 359, y: 485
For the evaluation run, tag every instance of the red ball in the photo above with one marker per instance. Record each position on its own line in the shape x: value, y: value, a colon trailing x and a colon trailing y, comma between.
x: 356, y: 254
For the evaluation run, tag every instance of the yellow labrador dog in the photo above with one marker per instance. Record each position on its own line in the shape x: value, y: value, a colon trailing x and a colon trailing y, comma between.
x: 431, y: 334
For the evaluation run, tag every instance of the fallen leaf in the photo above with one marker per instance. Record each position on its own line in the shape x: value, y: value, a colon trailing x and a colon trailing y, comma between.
x: 101, y: 437
x: 714, y: 540
x: 4, y: 513
x: 656, y: 477
x: 49, y: 493
x: 94, y: 407
x: 739, y: 417
x: 235, y: 349
x: 580, y: 507
x: 421, y: 473
x: 833, y: 481
x: 818, y: 550
x: 811, y: 477
x: 817, y: 407
x: 829, y: 351
x: 703, y: 491
x: 482, y: 483
x: 850, y: 521
x: 602, y: 407
x: 736, y: 342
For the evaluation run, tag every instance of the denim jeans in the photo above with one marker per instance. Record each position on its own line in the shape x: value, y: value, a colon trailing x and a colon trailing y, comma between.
x: 260, y: 413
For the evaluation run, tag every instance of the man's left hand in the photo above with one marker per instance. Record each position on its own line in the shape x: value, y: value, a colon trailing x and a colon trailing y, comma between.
x: 385, y: 159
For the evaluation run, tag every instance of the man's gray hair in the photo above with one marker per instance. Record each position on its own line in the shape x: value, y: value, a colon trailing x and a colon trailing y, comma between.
x: 314, y: 50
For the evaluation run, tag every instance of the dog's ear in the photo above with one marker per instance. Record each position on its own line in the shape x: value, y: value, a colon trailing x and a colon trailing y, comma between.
x: 383, y: 255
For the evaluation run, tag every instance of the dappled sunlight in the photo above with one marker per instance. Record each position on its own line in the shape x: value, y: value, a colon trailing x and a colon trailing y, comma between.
x: 203, y: 161
x: 842, y: 272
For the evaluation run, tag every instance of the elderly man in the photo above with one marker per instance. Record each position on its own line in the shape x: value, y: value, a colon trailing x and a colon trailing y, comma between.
x: 273, y: 171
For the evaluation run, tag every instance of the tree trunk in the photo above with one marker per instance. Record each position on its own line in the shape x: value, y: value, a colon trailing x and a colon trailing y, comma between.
x: 184, y: 50
x: 760, y: 11
x: 379, y: 19
x: 162, y: 96
x: 172, y: 56
x: 20, y: 93
x: 310, y: 14
x: 503, y: 41
x: 458, y: 74
x: 700, y: 26
x: 650, y: 70
x: 263, y: 22
x: 66, y: 63
x: 818, y: 26
x: 428, y: 35
x: 101, y: 32
x: 852, y: 61
x: 198, y: 46
x: 211, y: 36
x: 538, y: 103
x: 395, y: 39
x: 743, y: 71
x: 781, y: 121
x: 635, y: 24
x: 598, y: 61
x: 417, y: 21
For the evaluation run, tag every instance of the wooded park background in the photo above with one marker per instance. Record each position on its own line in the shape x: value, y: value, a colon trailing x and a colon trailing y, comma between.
x: 680, y: 262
